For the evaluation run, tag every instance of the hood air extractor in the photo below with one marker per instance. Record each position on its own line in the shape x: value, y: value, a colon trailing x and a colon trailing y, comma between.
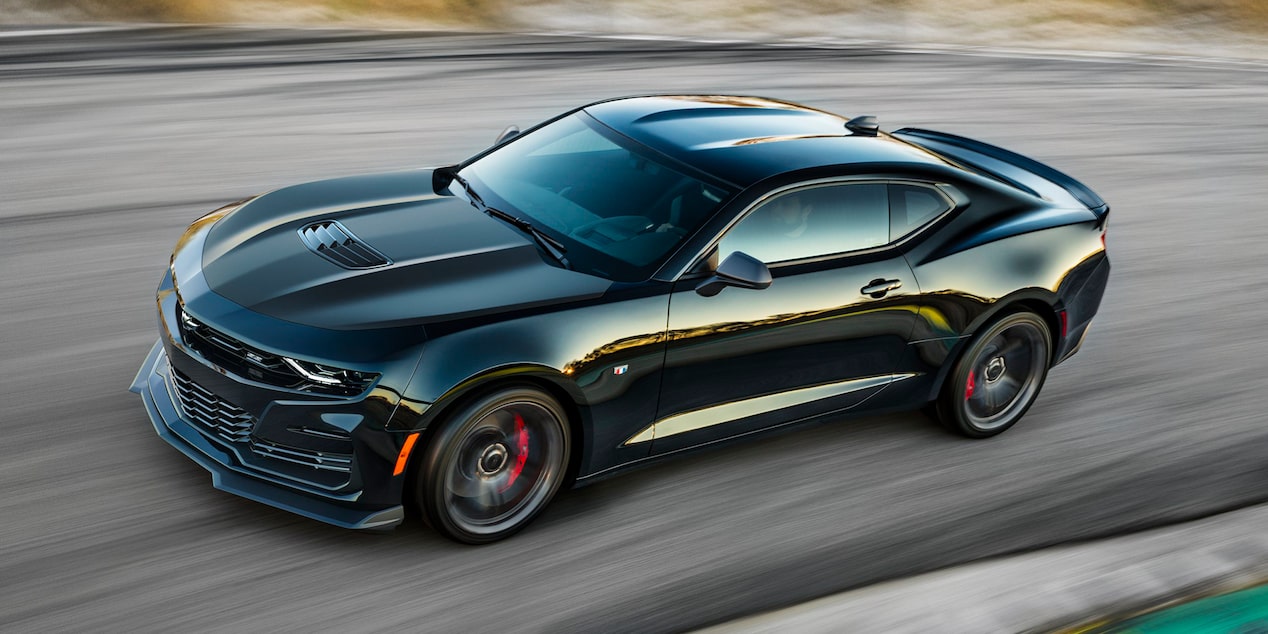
x: 333, y: 241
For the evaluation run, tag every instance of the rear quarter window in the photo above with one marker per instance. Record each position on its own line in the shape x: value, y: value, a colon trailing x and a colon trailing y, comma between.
x: 913, y: 206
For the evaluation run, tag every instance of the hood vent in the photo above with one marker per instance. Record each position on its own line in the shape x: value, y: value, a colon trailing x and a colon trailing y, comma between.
x: 333, y: 241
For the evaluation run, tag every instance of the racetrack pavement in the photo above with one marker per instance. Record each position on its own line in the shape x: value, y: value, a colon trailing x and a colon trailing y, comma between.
x: 112, y: 142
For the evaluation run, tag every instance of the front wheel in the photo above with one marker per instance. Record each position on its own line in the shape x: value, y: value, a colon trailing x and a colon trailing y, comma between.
x: 494, y: 465
x: 998, y: 377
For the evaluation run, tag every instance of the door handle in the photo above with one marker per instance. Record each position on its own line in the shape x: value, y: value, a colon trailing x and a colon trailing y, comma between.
x: 877, y: 288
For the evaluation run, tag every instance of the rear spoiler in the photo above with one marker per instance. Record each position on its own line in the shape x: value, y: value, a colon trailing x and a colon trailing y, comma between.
x: 1010, y: 167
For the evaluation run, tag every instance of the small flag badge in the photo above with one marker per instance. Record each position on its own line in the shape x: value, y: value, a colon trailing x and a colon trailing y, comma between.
x: 620, y: 369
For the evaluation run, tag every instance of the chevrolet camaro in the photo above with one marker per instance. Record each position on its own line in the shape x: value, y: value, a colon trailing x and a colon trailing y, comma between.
x: 632, y: 279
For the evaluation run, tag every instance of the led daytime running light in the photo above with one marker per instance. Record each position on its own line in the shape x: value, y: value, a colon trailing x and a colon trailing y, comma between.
x: 315, y: 378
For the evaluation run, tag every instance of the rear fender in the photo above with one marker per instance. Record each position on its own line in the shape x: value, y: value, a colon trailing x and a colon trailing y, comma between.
x: 943, y: 353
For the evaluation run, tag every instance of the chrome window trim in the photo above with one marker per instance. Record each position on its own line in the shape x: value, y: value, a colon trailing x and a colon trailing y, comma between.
x: 937, y: 187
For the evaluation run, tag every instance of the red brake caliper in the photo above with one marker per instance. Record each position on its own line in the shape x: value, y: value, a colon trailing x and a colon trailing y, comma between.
x: 968, y: 389
x: 521, y: 451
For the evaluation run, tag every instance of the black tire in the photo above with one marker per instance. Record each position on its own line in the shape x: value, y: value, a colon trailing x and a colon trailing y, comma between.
x: 493, y: 465
x: 998, y: 376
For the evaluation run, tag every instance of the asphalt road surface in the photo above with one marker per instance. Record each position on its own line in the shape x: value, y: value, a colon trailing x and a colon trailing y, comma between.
x: 110, y: 143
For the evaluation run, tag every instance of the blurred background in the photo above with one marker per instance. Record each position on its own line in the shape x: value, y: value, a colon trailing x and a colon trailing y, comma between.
x: 1210, y: 27
x: 121, y: 122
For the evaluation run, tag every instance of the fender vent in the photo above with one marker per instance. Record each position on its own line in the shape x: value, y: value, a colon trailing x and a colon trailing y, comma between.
x: 333, y: 241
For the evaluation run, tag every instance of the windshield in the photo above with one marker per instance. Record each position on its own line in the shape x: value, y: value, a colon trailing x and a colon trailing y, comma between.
x: 617, y: 209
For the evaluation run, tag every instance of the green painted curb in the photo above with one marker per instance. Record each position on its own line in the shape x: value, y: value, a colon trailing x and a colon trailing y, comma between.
x: 1242, y: 612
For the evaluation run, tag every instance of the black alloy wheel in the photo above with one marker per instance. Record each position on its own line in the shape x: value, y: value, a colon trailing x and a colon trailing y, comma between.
x: 998, y: 377
x: 494, y: 465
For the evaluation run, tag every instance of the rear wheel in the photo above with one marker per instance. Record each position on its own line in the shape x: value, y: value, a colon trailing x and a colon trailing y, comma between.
x: 494, y: 465
x: 998, y: 377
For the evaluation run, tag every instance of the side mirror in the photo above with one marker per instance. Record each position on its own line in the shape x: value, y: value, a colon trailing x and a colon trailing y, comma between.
x: 509, y: 133
x: 740, y: 270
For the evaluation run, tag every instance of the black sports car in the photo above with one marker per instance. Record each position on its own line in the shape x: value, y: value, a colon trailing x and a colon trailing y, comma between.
x: 629, y: 280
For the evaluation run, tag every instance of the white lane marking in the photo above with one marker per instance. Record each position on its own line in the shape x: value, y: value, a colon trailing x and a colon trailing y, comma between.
x: 71, y: 30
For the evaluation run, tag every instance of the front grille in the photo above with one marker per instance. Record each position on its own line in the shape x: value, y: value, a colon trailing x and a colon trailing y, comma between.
x: 265, y: 367
x: 336, y: 243
x: 212, y: 415
x: 235, y: 356
x: 324, y: 461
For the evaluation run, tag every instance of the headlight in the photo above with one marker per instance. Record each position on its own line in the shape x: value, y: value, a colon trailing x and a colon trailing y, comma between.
x: 329, y: 376
x: 265, y: 367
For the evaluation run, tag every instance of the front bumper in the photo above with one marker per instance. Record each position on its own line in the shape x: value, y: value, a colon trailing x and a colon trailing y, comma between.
x: 228, y: 471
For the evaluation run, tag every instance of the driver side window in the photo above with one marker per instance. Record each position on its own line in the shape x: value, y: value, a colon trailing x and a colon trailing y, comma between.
x: 812, y: 222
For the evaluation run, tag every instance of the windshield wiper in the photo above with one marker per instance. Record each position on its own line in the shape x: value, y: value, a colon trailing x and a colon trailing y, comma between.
x: 476, y: 200
x: 551, y: 246
x: 548, y: 244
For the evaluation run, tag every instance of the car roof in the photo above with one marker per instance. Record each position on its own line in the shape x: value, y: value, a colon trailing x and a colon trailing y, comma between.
x: 743, y: 140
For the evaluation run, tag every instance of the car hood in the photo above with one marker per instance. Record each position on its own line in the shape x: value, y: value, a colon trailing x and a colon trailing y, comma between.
x: 448, y: 260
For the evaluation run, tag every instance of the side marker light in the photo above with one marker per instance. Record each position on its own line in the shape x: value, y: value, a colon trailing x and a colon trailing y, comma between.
x: 403, y: 458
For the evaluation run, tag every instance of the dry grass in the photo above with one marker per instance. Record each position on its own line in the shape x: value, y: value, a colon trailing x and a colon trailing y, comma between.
x: 1240, y: 16
x: 1227, y: 28
x: 440, y: 12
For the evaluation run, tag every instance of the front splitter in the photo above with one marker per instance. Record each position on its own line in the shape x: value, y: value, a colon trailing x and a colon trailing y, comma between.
x: 151, y: 384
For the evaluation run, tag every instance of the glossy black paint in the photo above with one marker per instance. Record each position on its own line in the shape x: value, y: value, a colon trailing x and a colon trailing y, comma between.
x: 445, y: 272
x: 469, y: 304
x: 811, y: 327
